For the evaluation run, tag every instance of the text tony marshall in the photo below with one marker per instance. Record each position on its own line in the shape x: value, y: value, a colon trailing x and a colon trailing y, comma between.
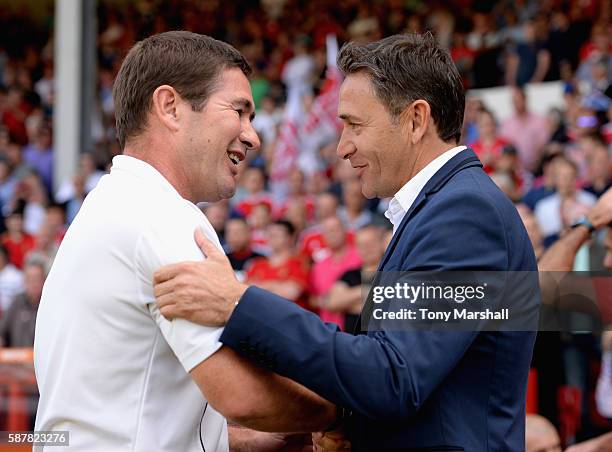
x: 445, y: 316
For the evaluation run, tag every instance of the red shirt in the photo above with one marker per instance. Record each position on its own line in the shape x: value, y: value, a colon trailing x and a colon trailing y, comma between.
x: 293, y: 269
x: 17, y: 251
x: 495, y: 151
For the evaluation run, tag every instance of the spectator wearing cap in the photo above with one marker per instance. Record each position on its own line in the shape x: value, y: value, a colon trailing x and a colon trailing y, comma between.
x: 18, y: 324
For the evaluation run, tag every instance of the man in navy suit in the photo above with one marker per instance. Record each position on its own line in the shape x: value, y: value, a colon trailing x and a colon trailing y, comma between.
x: 402, y: 105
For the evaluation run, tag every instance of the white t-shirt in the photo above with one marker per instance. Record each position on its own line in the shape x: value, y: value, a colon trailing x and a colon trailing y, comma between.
x: 110, y: 369
x: 11, y: 284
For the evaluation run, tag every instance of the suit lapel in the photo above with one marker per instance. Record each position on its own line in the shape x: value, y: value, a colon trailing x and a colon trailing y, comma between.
x: 463, y: 160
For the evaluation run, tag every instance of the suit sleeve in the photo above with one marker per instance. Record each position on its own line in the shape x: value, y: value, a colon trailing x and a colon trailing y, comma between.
x: 386, y: 374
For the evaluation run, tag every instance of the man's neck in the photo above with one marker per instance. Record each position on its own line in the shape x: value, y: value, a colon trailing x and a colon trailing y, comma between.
x: 427, y: 153
x: 164, y: 167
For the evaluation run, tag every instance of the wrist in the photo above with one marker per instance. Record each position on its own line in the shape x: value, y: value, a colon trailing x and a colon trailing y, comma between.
x: 234, y: 297
x: 584, y: 223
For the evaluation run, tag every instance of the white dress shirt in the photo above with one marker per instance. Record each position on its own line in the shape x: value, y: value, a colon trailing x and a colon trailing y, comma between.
x: 110, y: 368
x: 403, y: 199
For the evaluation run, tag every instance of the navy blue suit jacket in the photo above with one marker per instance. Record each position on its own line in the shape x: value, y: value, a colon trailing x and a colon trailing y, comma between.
x: 428, y: 390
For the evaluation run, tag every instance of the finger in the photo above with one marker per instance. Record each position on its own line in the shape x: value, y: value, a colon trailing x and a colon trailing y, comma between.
x: 205, y: 244
x: 164, y: 288
x: 168, y: 272
x: 169, y: 311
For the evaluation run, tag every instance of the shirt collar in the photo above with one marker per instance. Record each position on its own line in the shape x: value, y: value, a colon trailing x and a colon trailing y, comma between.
x: 405, y: 197
x: 144, y: 171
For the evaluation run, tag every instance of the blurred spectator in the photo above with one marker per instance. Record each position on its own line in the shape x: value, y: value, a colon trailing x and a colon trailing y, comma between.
x: 533, y: 229
x: 312, y: 241
x: 17, y: 325
x: 15, y: 114
x: 267, y: 120
x: 353, y: 212
x: 473, y: 107
x: 541, y: 435
x: 489, y: 145
x: 31, y: 190
x: 88, y: 171
x: 346, y: 295
x: 259, y: 220
x: 326, y: 272
x: 253, y: 192
x: 529, y: 60
x: 526, y: 130
x: 297, y: 194
x: 298, y: 73
x: 17, y: 242
x: 45, y: 247
x: 7, y: 183
x: 506, y: 184
x: 598, y: 170
x: 559, y: 210
x: 73, y: 205
x: 217, y: 213
x: 39, y: 155
x: 282, y: 272
x: 604, y: 383
x: 11, y: 281
x: 238, y: 243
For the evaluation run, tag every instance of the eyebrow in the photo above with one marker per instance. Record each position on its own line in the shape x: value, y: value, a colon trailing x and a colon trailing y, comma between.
x: 247, y: 105
x: 347, y: 117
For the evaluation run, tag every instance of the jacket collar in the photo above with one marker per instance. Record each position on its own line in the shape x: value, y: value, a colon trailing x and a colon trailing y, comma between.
x: 461, y: 161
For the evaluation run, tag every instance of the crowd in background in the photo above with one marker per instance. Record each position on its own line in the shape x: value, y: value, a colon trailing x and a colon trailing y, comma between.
x: 309, y: 239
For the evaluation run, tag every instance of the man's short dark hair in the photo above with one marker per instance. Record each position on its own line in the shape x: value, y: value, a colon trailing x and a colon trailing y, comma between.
x: 289, y: 228
x: 404, y: 68
x: 189, y: 62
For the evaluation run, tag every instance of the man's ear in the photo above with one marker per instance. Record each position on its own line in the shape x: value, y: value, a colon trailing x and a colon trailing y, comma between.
x: 415, y: 120
x: 166, y: 107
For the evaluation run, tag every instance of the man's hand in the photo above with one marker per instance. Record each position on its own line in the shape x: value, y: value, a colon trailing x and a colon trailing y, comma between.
x: 601, y: 214
x: 202, y: 292
x: 330, y: 442
x: 245, y: 440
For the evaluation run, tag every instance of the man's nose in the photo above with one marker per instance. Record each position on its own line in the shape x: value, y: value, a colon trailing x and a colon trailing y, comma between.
x: 345, y: 148
x: 250, y: 138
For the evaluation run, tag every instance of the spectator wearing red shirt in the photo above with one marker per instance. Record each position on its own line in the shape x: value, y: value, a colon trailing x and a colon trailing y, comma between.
x: 489, y: 145
x: 282, y: 272
x: 17, y: 242
x: 258, y: 220
x: 312, y: 241
x: 254, y: 184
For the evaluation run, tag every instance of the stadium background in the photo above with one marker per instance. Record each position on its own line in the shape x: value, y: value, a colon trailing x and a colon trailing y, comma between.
x: 538, y: 113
